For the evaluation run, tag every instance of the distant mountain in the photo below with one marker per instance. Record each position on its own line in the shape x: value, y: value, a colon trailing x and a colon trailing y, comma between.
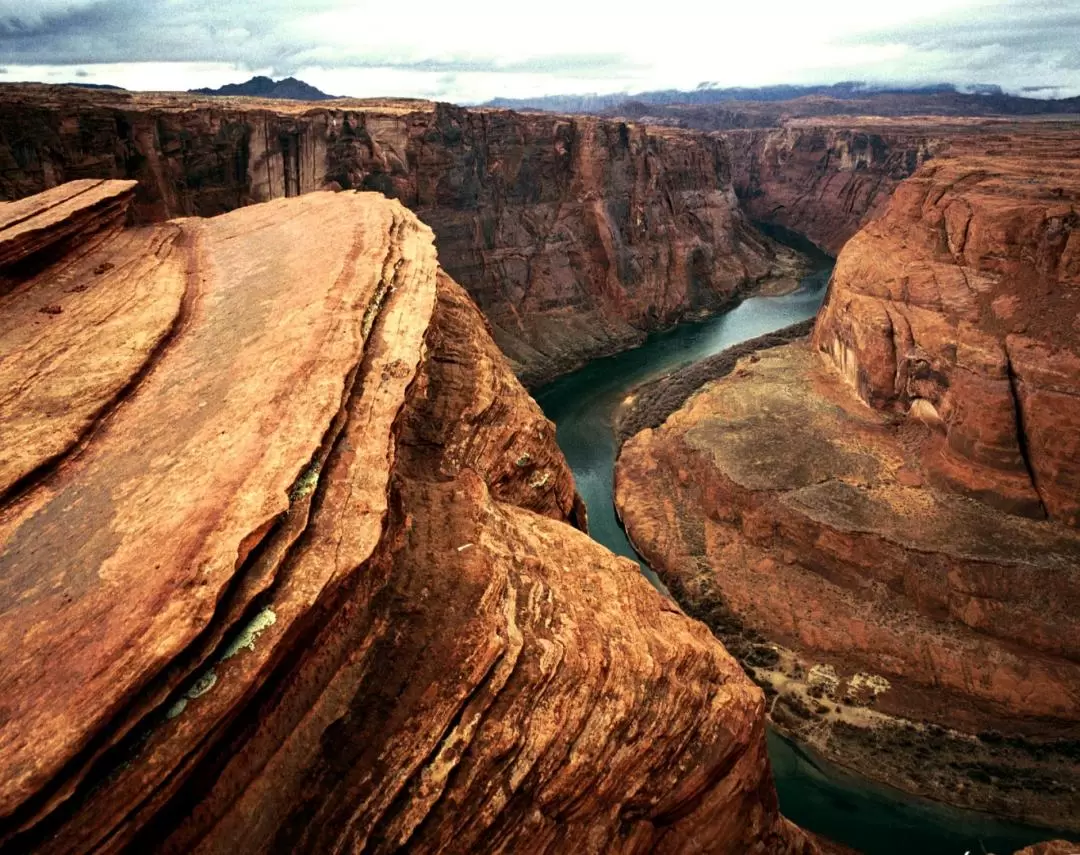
x: 980, y: 99
x: 263, y: 87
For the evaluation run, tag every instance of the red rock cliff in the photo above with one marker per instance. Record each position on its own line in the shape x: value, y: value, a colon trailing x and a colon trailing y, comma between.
x: 575, y: 236
x: 826, y: 177
x: 852, y: 515
x: 961, y: 308
x: 294, y: 569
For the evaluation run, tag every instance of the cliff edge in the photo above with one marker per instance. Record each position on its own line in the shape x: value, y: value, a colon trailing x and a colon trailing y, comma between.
x: 289, y: 561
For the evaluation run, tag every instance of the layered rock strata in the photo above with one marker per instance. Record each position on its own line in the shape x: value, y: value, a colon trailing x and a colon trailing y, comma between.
x: 825, y: 178
x: 300, y: 568
x: 961, y: 308
x: 853, y: 515
x: 575, y: 236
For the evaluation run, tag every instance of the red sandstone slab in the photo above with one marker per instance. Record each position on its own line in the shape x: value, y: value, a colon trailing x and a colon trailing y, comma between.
x: 31, y: 224
x: 116, y: 562
x: 76, y: 335
x: 352, y: 478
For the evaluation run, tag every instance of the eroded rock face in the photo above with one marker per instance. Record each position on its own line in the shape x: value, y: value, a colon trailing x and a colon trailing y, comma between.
x: 961, y: 307
x: 310, y: 578
x: 825, y: 178
x: 575, y: 236
x: 866, y: 563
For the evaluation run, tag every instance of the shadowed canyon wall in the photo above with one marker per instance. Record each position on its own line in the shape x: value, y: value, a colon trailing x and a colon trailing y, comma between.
x: 825, y: 178
x: 575, y: 236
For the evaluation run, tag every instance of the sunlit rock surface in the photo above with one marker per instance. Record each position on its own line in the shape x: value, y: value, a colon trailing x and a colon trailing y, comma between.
x: 289, y: 561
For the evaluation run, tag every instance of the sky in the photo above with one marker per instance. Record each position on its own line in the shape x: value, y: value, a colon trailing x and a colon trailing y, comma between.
x: 473, y: 51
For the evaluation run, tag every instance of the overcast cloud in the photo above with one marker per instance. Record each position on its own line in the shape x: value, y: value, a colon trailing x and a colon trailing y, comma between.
x: 475, y: 51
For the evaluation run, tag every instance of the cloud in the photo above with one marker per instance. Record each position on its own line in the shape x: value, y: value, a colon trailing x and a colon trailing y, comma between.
x: 275, y: 34
x: 1027, y: 26
x: 1023, y: 44
x: 79, y: 33
x: 16, y: 16
x: 436, y: 49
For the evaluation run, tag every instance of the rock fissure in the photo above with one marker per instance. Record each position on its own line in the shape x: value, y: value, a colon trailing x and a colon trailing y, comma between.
x: 1021, y: 432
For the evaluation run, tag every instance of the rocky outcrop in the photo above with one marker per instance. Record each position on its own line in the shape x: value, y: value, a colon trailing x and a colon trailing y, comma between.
x: 575, y: 236
x: 298, y: 568
x: 825, y: 178
x: 866, y: 563
x: 48, y: 403
x: 961, y: 308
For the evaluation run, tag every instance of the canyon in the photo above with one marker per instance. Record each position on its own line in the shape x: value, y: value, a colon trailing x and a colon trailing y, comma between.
x: 880, y: 520
x: 576, y: 236
x: 303, y: 568
x: 824, y: 178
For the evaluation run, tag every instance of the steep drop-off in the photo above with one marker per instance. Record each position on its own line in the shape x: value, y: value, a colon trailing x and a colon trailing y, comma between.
x: 853, y: 515
x: 297, y: 568
x: 825, y: 178
x: 961, y: 308
x: 575, y: 236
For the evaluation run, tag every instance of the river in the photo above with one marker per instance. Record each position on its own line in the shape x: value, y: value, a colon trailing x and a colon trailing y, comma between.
x: 819, y: 796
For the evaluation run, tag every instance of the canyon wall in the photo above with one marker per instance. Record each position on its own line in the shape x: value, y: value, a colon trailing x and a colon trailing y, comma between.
x: 575, y: 236
x: 961, y: 308
x: 824, y: 178
x: 881, y: 521
x: 290, y: 561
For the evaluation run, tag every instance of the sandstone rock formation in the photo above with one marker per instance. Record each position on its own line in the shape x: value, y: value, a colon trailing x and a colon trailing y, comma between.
x: 825, y: 178
x: 859, y: 560
x: 575, y: 236
x: 288, y: 562
x: 961, y: 307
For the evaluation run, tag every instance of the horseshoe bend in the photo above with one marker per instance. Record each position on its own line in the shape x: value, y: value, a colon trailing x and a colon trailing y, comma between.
x: 290, y: 560
x: 880, y: 519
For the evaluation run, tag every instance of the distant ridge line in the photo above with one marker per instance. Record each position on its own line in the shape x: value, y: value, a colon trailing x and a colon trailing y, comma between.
x: 264, y: 87
x: 980, y: 99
